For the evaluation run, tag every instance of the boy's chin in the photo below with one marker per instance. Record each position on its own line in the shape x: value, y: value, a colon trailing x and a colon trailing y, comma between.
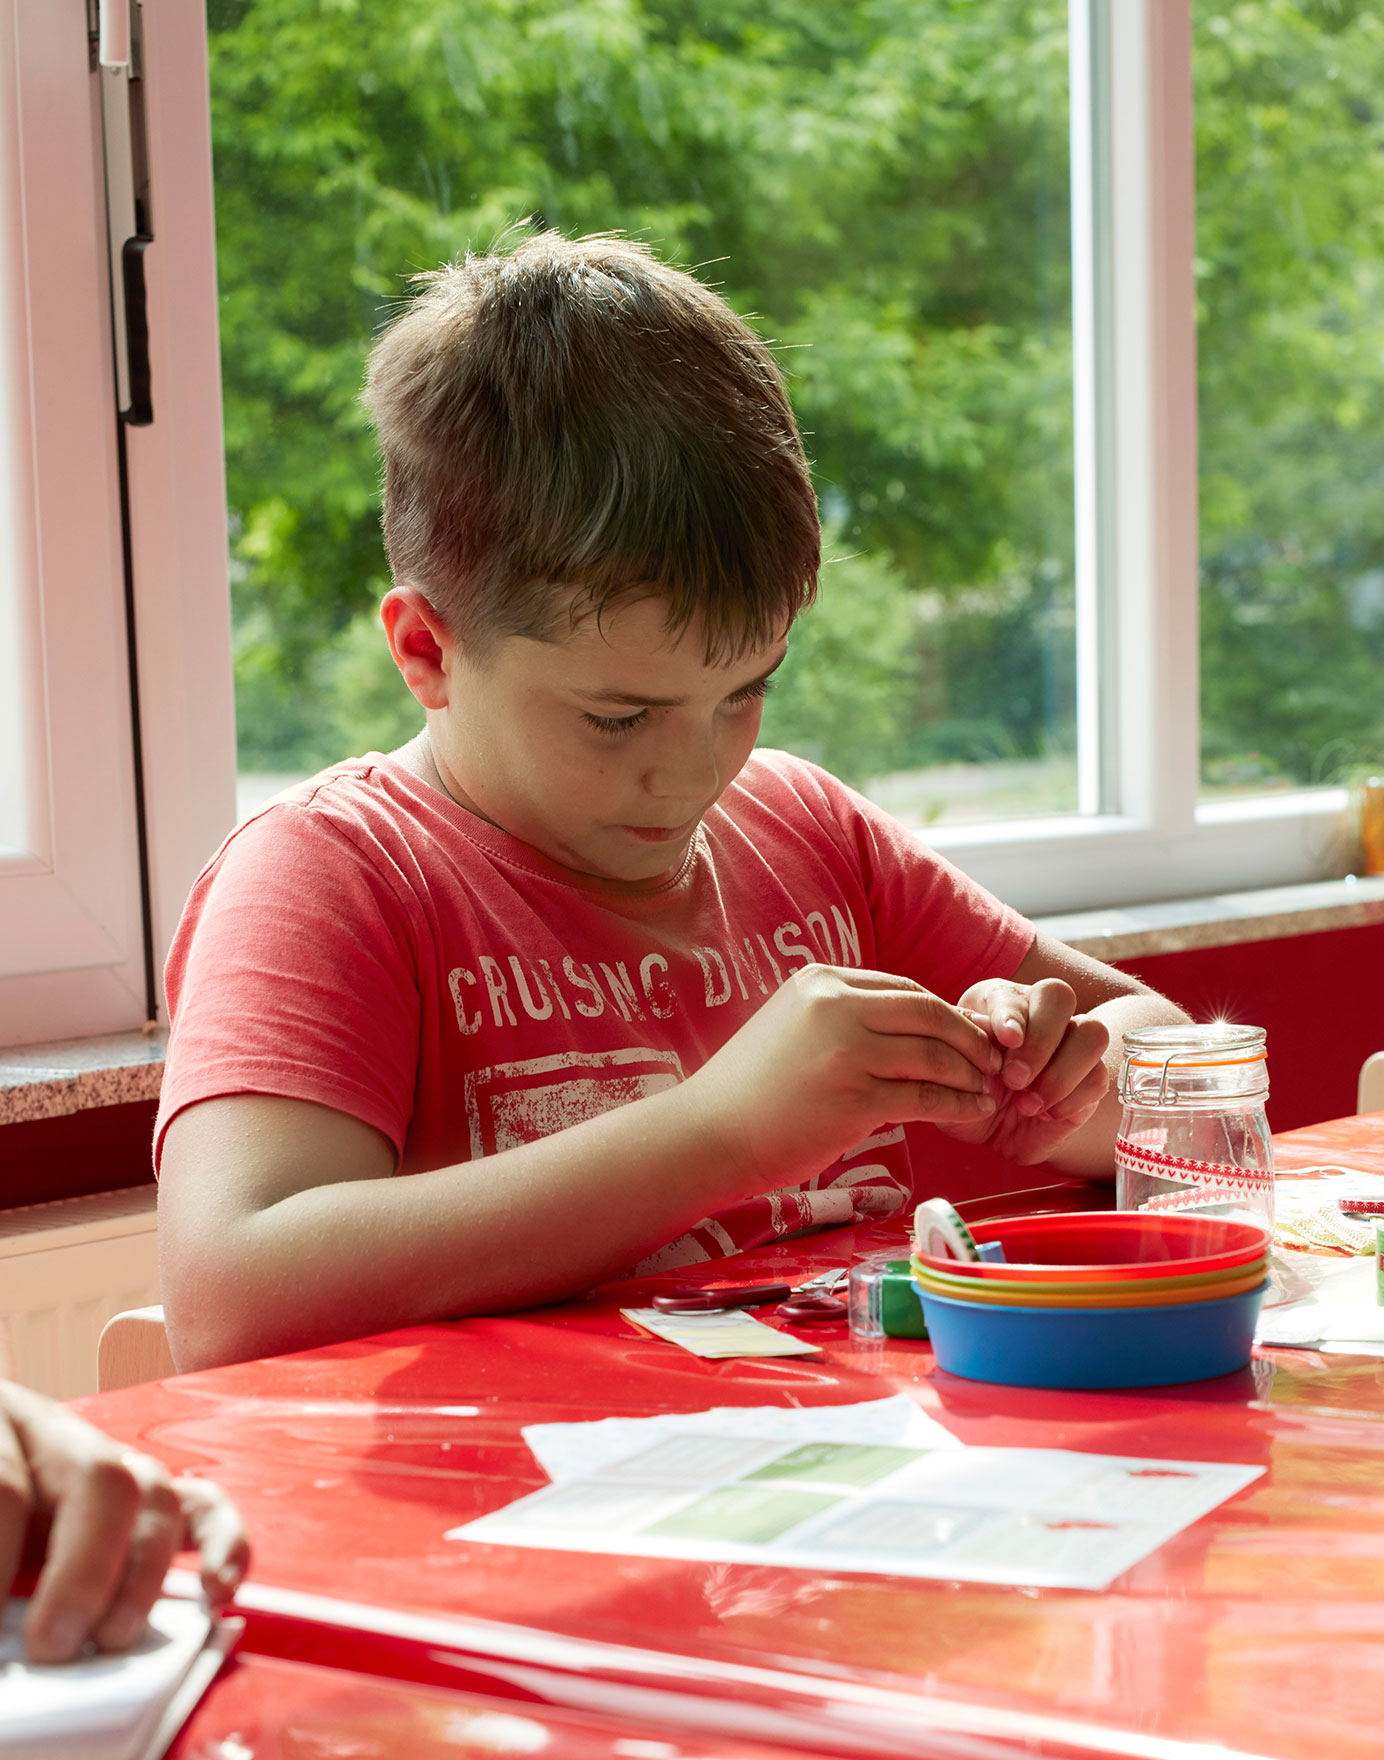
x: 632, y: 863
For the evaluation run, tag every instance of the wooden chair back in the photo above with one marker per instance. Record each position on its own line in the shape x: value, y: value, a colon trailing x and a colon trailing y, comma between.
x: 133, y: 1347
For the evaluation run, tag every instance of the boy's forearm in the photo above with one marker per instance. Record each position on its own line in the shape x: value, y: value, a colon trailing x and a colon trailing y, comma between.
x: 1090, y: 1151
x: 533, y: 1224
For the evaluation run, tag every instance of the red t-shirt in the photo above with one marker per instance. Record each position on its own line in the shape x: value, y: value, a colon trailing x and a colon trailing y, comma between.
x: 365, y: 943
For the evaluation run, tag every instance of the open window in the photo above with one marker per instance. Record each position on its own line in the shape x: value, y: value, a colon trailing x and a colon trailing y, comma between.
x: 116, y: 765
x: 350, y: 152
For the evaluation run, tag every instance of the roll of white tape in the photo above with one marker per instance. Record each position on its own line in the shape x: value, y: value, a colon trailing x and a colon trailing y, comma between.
x: 939, y: 1230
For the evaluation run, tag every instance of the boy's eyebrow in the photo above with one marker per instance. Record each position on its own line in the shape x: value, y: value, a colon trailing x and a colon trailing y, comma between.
x: 636, y: 699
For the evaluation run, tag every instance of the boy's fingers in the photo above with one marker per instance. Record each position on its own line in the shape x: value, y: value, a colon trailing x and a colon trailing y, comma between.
x: 1050, y: 1006
x: 16, y: 1506
x: 939, y: 1105
x: 1001, y: 1007
x: 154, y: 1539
x: 896, y: 1057
x: 87, y: 1549
x: 1084, y: 1098
x: 918, y: 1015
x: 892, y: 1005
x: 214, y: 1527
x: 1077, y: 1060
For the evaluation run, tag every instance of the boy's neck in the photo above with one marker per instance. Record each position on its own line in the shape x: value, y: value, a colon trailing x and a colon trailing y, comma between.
x: 418, y: 757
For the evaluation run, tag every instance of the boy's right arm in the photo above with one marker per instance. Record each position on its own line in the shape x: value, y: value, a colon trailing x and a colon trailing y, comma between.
x: 282, y: 1225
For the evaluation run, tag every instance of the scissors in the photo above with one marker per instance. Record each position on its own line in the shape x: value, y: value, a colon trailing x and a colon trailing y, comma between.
x: 807, y: 1303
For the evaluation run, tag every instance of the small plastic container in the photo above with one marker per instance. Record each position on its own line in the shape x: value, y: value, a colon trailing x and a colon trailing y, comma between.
x: 1141, y: 1293
x: 1372, y: 824
x: 1092, y: 1347
x: 1194, y: 1135
x: 1107, y: 1246
x: 880, y: 1299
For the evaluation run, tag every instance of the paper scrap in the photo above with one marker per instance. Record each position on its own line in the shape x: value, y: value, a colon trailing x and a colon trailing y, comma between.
x: 1047, y: 1518
x: 729, y: 1333
x: 109, y: 1707
x: 1338, y: 1310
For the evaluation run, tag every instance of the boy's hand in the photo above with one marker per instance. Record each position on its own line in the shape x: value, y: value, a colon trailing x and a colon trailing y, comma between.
x: 1052, y: 1077
x: 106, y: 1522
x: 832, y: 1056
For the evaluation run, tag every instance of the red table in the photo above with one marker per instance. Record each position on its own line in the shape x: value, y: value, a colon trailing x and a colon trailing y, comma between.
x: 1260, y: 1630
x: 265, y: 1708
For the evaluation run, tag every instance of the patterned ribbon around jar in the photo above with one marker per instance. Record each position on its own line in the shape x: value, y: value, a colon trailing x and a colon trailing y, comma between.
x: 1208, y: 1182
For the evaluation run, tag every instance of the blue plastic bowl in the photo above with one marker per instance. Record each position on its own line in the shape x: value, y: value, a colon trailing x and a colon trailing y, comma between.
x: 1092, y: 1347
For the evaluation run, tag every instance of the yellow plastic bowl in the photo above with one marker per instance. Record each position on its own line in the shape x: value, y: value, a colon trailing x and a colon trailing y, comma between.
x: 962, y: 1287
x: 1039, y: 1296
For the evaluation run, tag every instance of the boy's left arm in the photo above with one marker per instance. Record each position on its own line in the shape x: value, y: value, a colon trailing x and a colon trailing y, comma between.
x: 1061, y: 1020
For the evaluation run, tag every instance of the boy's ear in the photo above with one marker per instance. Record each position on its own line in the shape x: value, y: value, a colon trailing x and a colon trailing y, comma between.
x: 420, y: 644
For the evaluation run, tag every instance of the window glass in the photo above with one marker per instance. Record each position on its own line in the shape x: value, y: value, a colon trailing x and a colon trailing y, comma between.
x: 881, y: 185
x: 1290, y: 266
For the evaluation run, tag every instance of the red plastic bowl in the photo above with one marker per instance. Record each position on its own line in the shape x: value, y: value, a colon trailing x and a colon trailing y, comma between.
x: 1112, y: 1245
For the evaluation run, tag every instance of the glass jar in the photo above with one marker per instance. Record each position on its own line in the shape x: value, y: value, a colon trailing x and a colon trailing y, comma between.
x: 1193, y: 1135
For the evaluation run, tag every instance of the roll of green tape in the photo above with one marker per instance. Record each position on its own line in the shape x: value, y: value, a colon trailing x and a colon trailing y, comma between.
x: 939, y: 1230
x: 901, y: 1312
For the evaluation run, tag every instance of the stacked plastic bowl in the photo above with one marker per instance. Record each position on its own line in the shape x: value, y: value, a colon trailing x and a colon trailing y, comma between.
x: 1122, y: 1299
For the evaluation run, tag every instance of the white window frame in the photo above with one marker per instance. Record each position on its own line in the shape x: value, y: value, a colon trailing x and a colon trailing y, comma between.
x: 72, y: 841
x: 1141, y: 834
x: 81, y: 868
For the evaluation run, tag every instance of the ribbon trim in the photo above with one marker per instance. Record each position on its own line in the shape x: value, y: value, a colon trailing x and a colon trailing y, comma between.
x: 1212, y: 1176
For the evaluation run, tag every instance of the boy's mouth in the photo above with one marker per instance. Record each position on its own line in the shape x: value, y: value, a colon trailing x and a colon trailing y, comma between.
x: 661, y: 833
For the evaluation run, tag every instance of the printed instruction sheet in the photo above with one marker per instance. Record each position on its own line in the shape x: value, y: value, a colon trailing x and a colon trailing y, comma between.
x: 728, y: 1491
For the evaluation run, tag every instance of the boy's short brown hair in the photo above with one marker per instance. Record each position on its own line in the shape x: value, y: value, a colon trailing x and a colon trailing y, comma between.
x: 574, y: 413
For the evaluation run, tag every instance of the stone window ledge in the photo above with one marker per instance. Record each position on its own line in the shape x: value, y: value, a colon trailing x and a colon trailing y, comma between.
x: 1180, y: 925
x: 71, y: 1075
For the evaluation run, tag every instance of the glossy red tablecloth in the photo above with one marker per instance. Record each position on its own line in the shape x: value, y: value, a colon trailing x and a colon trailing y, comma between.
x: 1260, y: 1630
x: 265, y: 1708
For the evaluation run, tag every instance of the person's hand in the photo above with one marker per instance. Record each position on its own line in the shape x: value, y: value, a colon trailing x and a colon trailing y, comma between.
x: 833, y: 1055
x: 1052, y: 1077
x: 105, y: 1522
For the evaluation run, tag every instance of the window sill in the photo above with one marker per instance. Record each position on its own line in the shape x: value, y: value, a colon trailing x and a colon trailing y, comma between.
x: 73, y: 1075
x: 1180, y: 925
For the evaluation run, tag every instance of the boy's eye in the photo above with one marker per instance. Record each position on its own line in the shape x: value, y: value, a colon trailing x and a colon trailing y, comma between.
x: 760, y: 688
x: 615, y: 724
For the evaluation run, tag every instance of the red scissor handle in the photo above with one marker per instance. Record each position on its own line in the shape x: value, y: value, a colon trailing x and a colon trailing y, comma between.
x: 812, y: 1310
x: 710, y: 1301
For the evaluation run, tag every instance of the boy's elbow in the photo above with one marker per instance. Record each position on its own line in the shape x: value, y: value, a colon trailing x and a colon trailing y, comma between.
x: 205, y: 1329
x: 215, y: 1309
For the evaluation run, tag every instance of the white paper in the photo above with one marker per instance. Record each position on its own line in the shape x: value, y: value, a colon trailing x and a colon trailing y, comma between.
x: 1295, y: 1196
x: 738, y: 1485
x: 1339, y: 1310
x: 573, y: 1451
x: 725, y: 1332
x: 104, y: 1707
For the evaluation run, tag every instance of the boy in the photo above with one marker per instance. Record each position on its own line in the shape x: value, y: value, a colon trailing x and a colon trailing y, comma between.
x: 609, y: 990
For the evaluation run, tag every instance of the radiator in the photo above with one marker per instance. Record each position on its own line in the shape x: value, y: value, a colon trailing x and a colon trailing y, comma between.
x: 65, y: 1269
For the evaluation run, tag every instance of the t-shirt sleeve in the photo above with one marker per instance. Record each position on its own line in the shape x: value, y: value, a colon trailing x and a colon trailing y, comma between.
x: 932, y: 922
x: 294, y: 973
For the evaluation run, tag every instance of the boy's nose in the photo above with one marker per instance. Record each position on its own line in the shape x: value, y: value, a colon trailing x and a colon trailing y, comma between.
x: 685, y: 770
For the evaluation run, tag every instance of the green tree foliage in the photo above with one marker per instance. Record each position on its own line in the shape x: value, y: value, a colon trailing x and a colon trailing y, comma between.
x: 1290, y: 242
x: 879, y: 184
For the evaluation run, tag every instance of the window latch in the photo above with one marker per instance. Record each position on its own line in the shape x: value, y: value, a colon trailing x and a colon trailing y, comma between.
x: 117, y: 44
